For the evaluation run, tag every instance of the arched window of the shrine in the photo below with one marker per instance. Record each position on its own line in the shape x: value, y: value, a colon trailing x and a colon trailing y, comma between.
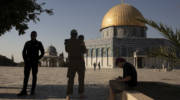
x: 134, y: 31
x: 104, y: 52
x: 92, y: 53
x: 102, y: 49
x: 124, y: 51
x: 97, y: 52
x: 91, y: 56
x: 108, y: 55
x: 115, y: 32
x: 102, y: 56
x: 142, y: 32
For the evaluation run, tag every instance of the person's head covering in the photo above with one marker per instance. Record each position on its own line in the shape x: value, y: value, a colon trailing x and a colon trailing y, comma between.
x: 120, y: 60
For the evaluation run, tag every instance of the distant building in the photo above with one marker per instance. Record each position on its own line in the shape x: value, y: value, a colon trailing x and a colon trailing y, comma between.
x: 12, y: 58
x: 122, y: 35
x: 4, y: 61
x: 51, y: 58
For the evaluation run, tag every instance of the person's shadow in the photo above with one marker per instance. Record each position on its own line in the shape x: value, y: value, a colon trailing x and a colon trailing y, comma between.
x: 92, y: 92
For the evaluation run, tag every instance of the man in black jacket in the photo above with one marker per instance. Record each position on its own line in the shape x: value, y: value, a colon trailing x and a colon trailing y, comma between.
x: 31, y: 59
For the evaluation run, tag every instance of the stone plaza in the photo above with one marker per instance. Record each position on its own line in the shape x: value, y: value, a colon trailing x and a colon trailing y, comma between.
x: 52, y: 83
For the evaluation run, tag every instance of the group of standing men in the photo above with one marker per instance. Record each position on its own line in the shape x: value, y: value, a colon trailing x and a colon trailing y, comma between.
x: 75, y: 47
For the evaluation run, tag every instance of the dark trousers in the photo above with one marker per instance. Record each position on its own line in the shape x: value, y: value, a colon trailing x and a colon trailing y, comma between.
x: 71, y: 74
x: 118, y: 86
x: 27, y: 68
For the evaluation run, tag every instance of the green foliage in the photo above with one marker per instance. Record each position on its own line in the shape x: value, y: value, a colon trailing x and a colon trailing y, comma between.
x: 17, y: 14
x: 169, y: 54
x: 167, y: 32
x: 163, y: 52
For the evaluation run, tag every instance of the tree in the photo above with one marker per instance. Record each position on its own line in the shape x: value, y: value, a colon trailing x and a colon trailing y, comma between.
x: 17, y: 13
x: 167, y: 55
x: 170, y: 54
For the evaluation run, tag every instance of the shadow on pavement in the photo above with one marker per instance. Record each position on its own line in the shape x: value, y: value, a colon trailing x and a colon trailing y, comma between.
x: 155, y: 90
x: 92, y: 92
x: 159, y: 90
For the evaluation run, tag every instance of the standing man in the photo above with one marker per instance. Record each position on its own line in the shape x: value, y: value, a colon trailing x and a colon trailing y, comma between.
x: 94, y: 66
x: 99, y: 65
x: 75, y: 50
x: 31, y: 58
x: 128, y: 81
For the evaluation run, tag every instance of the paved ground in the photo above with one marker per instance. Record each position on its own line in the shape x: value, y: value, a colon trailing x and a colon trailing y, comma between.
x: 52, y: 82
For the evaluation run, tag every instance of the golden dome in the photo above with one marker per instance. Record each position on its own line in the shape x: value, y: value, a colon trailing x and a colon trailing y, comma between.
x: 122, y: 14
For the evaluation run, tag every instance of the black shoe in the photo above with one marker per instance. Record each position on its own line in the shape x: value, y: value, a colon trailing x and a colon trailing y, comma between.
x: 32, y: 93
x: 22, y: 93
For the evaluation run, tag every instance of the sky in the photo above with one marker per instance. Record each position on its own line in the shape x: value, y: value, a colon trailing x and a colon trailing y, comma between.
x: 85, y: 16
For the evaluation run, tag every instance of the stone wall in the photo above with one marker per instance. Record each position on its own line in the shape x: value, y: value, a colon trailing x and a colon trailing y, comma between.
x: 124, y: 32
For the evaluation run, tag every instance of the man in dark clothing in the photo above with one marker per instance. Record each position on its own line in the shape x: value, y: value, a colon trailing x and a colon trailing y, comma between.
x: 128, y: 81
x: 75, y: 50
x: 94, y: 66
x: 31, y: 58
x: 99, y: 65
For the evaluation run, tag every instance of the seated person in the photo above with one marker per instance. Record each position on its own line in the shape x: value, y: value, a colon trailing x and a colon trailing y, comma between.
x: 128, y: 81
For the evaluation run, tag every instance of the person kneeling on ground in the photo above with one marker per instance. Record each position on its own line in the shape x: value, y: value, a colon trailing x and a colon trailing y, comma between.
x: 127, y: 82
